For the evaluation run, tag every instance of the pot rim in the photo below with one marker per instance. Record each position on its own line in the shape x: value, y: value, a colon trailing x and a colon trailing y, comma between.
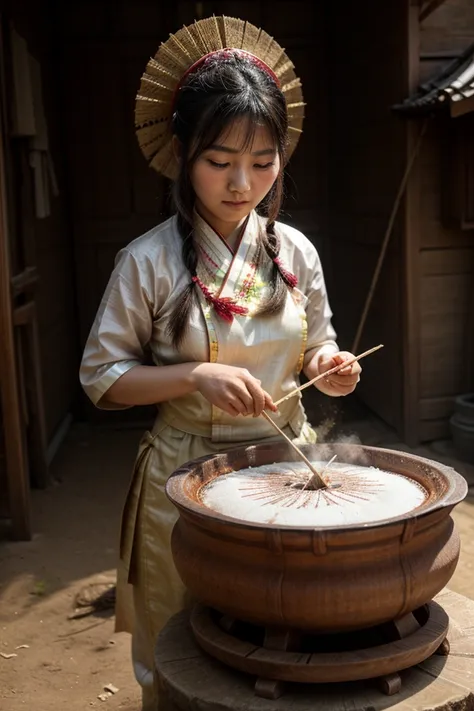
x: 456, y: 485
x: 465, y: 399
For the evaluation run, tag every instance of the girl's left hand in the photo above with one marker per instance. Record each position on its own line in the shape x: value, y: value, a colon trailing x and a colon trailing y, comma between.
x: 344, y: 381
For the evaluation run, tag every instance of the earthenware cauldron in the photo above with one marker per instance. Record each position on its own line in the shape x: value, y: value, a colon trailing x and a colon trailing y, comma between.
x: 317, y: 579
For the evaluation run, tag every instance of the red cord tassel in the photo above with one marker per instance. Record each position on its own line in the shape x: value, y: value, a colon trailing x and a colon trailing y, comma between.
x: 226, y: 308
x: 290, y: 278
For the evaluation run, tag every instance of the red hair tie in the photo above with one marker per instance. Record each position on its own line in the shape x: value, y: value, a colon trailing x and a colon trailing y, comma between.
x: 290, y: 278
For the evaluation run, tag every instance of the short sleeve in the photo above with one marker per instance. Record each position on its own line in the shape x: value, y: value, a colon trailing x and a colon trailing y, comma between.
x: 121, y: 330
x: 321, y: 336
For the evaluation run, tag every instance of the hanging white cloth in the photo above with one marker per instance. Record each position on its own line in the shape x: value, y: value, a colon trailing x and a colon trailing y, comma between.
x: 23, y: 111
x: 29, y: 121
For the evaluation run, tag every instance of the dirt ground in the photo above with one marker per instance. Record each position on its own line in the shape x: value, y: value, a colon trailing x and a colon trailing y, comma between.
x: 64, y: 663
x: 67, y: 662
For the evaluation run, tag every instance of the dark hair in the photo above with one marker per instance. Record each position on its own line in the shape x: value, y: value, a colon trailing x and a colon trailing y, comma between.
x: 221, y: 91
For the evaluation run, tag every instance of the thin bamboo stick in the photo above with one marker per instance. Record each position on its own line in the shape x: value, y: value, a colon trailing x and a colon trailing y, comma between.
x: 311, y: 481
x: 388, y: 234
x: 327, y: 373
x: 316, y: 480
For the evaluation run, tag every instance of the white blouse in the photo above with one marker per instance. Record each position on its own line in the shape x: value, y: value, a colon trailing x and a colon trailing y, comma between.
x: 134, y: 314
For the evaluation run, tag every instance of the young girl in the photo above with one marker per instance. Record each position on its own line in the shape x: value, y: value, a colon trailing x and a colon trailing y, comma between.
x: 231, y: 303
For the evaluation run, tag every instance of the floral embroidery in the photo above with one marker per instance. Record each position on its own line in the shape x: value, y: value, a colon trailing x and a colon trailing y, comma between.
x: 231, y: 283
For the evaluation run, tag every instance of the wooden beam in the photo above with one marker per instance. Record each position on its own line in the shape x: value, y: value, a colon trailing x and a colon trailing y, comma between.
x: 428, y: 7
x: 16, y: 466
x: 411, y: 251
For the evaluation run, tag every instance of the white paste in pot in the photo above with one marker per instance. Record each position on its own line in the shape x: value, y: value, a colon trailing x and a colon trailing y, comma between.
x: 273, y: 494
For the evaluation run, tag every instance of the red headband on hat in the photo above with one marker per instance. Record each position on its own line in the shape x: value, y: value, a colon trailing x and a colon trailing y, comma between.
x: 225, y: 53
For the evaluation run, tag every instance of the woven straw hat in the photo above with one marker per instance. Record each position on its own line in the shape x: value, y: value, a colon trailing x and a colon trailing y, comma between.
x: 183, y: 53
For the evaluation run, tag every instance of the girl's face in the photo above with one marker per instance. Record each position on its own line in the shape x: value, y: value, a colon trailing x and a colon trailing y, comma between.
x: 229, y: 183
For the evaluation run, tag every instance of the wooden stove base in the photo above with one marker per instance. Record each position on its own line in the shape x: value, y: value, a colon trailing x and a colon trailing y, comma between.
x: 190, y: 680
x: 414, y: 638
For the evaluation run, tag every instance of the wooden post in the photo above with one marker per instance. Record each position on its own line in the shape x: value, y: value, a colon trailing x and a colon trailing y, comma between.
x: 24, y: 318
x: 16, y: 466
x: 411, y: 250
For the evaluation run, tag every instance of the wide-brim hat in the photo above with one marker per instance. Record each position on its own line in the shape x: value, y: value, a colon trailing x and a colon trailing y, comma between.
x: 181, y: 54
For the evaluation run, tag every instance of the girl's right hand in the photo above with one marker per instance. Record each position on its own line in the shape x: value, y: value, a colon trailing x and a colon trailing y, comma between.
x: 232, y: 389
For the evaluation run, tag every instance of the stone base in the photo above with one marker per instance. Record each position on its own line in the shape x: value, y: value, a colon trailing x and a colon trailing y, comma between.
x: 190, y: 680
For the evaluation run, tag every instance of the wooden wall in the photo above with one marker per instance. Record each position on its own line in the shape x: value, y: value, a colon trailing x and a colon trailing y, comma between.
x: 367, y: 50
x: 446, y: 253
x: 115, y: 197
x: 46, y: 243
x: 343, y: 178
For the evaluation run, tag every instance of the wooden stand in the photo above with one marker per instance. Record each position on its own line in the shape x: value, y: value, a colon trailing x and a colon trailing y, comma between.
x: 191, y: 680
x: 287, y: 656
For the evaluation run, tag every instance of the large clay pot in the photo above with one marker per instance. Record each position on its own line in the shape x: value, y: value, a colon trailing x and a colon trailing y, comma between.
x: 462, y: 427
x: 317, y: 579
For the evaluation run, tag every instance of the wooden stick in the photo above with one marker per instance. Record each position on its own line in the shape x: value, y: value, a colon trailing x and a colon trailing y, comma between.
x: 316, y: 479
x: 386, y: 238
x: 327, y: 373
x: 311, y: 481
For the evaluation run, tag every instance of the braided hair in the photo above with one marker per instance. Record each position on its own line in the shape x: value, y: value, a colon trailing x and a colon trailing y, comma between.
x: 221, y: 92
